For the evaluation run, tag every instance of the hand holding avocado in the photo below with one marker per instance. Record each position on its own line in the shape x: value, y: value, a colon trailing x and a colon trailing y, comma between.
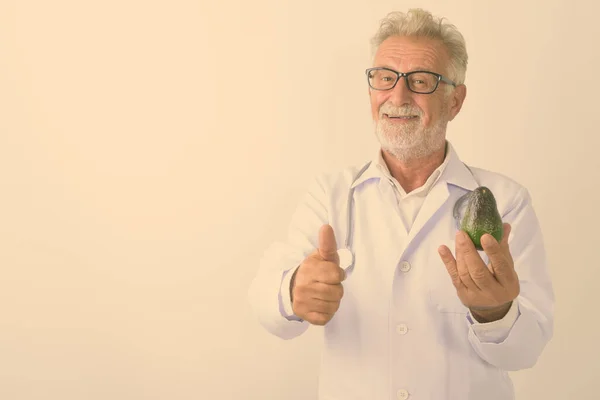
x: 487, y: 290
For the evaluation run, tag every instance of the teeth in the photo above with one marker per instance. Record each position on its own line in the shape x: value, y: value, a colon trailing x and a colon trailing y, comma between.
x: 401, y: 116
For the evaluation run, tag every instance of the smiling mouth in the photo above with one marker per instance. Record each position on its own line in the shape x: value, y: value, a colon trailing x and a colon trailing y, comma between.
x: 401, y: 117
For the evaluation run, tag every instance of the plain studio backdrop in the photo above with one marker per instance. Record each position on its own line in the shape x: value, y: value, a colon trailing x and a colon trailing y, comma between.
x: 150, y: 151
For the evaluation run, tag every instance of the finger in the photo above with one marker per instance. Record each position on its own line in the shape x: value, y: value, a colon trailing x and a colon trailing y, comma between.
x: 450, y: 263
x: 507, y: 228
x: 471, y: 262
x: 323, y: 306
x: 326, y: 292
x: 330, y: 274
x: 317, y: 318
x: 461, y: 266
x: 328, y: 244
x: 500, y: 259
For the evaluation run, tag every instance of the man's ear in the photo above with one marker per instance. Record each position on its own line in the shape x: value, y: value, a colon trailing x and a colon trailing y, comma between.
x: 457, y: 100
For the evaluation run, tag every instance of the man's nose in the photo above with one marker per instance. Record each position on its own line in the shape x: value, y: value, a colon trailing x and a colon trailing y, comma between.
x: 400, y: 95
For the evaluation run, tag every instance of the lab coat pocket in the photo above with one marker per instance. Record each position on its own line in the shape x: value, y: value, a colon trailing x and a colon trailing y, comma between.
x: 448, y: 319
x: 444, y: 298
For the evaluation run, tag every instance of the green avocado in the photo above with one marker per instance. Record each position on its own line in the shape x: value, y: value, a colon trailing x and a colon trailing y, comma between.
x: 476, y: 213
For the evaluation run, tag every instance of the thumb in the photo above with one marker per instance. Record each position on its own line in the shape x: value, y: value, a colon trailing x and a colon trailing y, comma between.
x: 327, y: 244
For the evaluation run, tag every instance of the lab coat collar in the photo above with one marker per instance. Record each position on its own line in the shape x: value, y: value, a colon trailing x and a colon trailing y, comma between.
x: 455, y: 171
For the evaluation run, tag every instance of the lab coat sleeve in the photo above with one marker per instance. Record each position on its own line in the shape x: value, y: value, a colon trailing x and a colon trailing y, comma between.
x: 285, y: 295
x: 269, y: 291
x: 517, y: 341
x: 495, y: 331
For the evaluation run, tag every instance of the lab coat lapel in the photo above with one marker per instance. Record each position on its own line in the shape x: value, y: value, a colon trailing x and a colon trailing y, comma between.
x: 455, y: 173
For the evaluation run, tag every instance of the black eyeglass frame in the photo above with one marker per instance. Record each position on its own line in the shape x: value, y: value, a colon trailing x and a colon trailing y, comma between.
x: 440, y: 78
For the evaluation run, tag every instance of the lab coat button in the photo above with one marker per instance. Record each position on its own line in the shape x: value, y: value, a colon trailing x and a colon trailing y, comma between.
x: 402, y: 329
x: 402, y: 394
x: 404, y: 266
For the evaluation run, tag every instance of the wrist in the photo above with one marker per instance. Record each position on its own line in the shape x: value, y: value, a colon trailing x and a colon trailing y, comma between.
x: 292, y: 283
x: 490, y: 314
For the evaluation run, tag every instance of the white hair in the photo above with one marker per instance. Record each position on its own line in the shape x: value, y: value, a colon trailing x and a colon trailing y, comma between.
x: 420, y: 23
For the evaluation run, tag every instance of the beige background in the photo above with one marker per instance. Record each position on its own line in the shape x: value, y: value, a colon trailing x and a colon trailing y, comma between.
x: 151, y: 150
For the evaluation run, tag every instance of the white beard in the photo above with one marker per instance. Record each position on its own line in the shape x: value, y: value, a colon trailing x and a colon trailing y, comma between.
x: 410, y: 140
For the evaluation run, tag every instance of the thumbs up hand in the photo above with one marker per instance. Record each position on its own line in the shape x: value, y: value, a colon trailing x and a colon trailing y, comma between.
x: 316, y: 287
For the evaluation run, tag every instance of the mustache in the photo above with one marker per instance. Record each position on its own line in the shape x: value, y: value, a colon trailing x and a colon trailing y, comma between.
x: 401, y: 111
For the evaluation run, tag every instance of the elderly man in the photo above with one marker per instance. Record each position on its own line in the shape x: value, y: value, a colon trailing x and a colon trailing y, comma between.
x: 414, y: 310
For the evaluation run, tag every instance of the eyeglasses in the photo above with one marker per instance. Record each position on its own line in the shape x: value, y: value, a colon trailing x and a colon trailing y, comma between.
x: 422, y: 82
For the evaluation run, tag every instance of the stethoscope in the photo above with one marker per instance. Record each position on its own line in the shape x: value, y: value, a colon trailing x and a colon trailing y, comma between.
x: 346, y: 255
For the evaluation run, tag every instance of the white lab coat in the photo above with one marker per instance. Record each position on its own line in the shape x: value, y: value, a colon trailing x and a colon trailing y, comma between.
x: 401, y: 331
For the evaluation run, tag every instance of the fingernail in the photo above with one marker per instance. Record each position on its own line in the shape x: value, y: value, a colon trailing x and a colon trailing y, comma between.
x: 462, y: 237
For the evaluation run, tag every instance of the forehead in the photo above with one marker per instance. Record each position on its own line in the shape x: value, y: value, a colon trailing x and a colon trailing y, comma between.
x: 409, y: 53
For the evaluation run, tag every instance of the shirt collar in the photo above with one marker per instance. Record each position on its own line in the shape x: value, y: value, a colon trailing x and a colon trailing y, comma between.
x: 452, y: 171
